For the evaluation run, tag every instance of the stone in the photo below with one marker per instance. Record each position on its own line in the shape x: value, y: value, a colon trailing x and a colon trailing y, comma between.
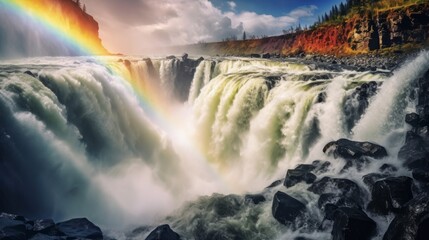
x: 413, y: 119
x: 254, y: 198
x: 413, y: 152
x: 352, y: 224
x: 30, y: 73
x: 80, y: 228
x: 348, y: 149
x: 340, y: 186
x: 44, y: 226
x: 163, y: 232
x: 286, y: 209
x: 370, y: 178
x: 255, y: 55
x: 275, y: 183
x: 390, y: 194
x: 412, y: 222
x: 421, y: 175
x: 294, y: 176
x: 12, y: 229
x: 266, y: 55
x: 170, y: 57
x: 185, y: 57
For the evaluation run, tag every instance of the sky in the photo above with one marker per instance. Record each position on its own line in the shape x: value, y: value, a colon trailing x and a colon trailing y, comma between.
x: 139, y: 26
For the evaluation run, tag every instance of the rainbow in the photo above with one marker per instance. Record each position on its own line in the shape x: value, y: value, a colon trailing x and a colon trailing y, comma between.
x: 158, y: 109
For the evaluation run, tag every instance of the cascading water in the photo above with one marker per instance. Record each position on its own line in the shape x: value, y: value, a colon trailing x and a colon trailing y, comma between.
x: 79, y: 140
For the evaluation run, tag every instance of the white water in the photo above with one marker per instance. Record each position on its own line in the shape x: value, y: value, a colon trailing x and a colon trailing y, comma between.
x: 100, y: 153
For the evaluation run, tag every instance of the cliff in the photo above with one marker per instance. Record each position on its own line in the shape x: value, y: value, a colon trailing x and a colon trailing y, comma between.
x: 381, y: 30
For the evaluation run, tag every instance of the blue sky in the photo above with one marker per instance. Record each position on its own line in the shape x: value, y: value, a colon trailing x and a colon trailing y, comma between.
x: 131, y: 26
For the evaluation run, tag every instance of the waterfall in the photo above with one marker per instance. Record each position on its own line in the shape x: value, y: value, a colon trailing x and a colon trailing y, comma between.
x: 80, y: 138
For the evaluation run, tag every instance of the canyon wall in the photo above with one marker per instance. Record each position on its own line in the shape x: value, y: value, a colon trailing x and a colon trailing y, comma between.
x: 406, y: 27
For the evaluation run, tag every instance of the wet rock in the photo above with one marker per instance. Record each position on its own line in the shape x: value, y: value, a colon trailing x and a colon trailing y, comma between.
x: 255, y: 55
x: 80, y: 228
x: 348, y: 149
x: 171, y: 57
x: 41, y: 236
x: 340, y: 186
x: 371, y: 178
x: 421, y: 175
x: 163, y: 232
x: 305, y: 167
x: 185, y: 57
x: 413, y: 151
x: 275, y: 183
x: 286, y: 209
x: 45, y: 226
x: 12, y: 227
x: 390, y: 194
x: 352, y: 223
x: 412, y: 222
x: 413, y: 119
x: 387, y: 168
x: 266, y: 55
x: 321, y: 166
x: 254, y: 198
x: 30, y: 73
x: 294, y: 176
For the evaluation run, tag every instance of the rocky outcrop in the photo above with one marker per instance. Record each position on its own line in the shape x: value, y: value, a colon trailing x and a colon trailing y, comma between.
x: 359, y: 33
x: 163, y: 232
x: 287, y: 209
x: 18, y: 227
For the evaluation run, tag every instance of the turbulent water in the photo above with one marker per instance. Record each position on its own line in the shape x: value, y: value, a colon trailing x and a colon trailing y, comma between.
x: 112, y: 142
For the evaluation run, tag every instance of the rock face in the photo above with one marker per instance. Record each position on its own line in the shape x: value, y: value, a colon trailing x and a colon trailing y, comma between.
x: 163, y: 232
x: 412, y: 222
x: 352, y: 223
x: 360, y: 33
x: 294, y: 176
x: 18, y: 227
x: 286, y: 209
x: 390, y: 194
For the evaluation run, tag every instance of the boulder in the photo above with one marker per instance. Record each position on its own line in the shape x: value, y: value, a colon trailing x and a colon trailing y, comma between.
x: 80, y: 228
x: 255, y: 55
x: 170, y: 57
x: 421, y: 175
x: 12, y: 228
x: 336, y: 200
x: 413, y: 119
x: 254, y: 198
x: 266, y: 55
x: 163, y: 232
x: 370, y: 178
x: 294, y: 176
x: 185, y: 57
x: 340, y: 186
x: 44, y: 226
x: 287, y: 209
x: 390, y: 194
x: 275, y: 183
x: 388, y: 168
x: 320, y: 166
x: 352, y: 224
x: 348, y: 149
x: 30, y: 73
x: 41, y: 236
x: 414, y: 152
x: 412, y: 222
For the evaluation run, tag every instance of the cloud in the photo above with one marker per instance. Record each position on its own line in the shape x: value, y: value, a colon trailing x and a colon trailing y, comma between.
x: 141, y: 24
x: 232, y: 5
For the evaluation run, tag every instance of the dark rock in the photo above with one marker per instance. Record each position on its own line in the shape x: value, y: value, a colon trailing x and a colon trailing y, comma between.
x: 412, y: 222
x: 127, y: 63
x: 30, y: 73
x: 305, y: 167
x: 80, y: 228
x: 388, y: 168
x: 275, y: 183
x: 413, y: 151
x: 255, y: 198
x: 266, y: 55
x: 321, y: 98
x: 45, y: 226
x: 371, y: 178
x: 296, y: 176
x: 12, y: 229
x: 171, y: 57
x: 352, y: 224
x: 340, y: 186
x: 185, y: 57
x: 41, y: 236
x: 163, y: 232
x: 321, y: 166
x: 337, y: 200
x: 421, y: 175
x: 255, y: 55
x: 390, y: 194
x: 348, y: 149
x: 413, y: 119
x: 200, y: 59
x: 286, y: 209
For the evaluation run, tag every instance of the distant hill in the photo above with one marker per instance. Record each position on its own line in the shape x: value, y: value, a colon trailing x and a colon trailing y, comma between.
x: 357, y: 27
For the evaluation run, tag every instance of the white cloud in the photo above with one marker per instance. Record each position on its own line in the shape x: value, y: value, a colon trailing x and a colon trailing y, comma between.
x: 140, y: 24
x: 232, y: 5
